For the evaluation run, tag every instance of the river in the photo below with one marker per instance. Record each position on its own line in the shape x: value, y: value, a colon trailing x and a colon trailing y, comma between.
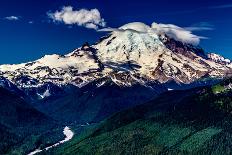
x: 67, y: 132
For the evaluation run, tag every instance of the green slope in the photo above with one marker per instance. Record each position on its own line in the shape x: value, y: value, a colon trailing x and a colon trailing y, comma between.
x: 196, y: 121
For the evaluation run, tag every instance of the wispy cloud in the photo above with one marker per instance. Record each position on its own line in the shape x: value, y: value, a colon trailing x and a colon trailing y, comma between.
x: 198, y: 28
x: 88, y: 18
x: 202, y: 26
x: 221, y: 6
x: 12, y: 18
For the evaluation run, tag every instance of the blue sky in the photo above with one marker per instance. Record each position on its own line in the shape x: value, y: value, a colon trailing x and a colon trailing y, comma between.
x: 27, y: 32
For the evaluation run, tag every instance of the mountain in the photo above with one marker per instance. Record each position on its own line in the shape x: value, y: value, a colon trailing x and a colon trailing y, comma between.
x: 134, y: 53
x: 133, y: 65
x: 157, y: 56
x: 194, y: 121
x: 22, y: 126
x: 16, y: 112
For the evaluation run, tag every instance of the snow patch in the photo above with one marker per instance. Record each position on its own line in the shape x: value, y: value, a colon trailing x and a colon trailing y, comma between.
x: 67, y: 132
x: 218, y: 58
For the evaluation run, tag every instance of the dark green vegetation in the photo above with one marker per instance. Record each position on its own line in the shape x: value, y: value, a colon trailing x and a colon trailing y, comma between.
x: 22, y: 127
x: 93, y: 104
x: 196, y: 121
x: 193, y: 121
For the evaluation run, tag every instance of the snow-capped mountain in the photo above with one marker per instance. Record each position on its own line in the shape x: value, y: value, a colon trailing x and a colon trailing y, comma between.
x: 130, y: 66
x: 134, y: 53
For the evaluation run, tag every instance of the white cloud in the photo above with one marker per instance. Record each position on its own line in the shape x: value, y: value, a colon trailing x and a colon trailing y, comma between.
x: 12, y: 18
x: 184, y: 35
x: 91, y: 26
x: 83, y: 17
x: 202, y: 26
x: 177, y: 33
x: 192, y: 28
x: 109, y: 29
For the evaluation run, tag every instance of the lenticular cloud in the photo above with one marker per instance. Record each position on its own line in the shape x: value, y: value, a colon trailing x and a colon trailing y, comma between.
x: 178, y: 33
